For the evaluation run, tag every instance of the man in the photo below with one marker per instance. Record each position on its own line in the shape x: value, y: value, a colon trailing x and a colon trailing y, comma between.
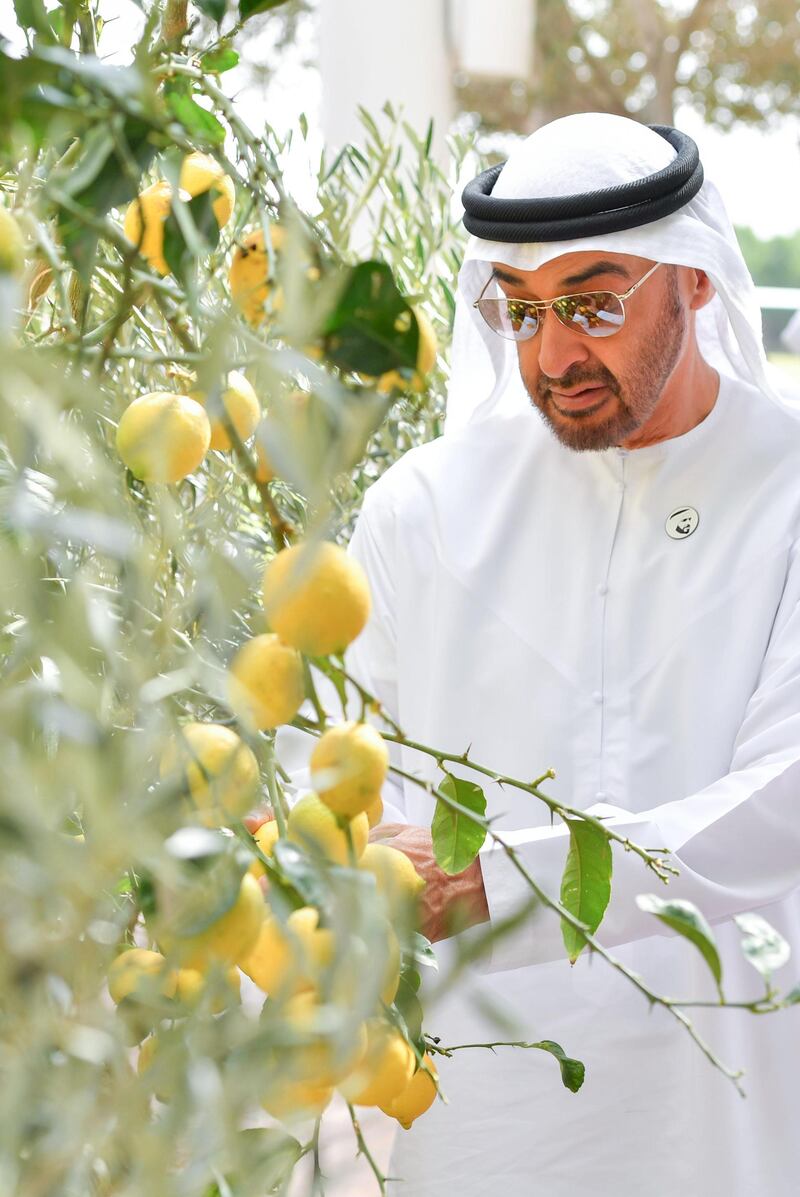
x: 597, y: 569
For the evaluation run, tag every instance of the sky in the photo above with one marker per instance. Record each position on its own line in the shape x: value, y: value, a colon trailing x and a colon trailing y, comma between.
x: 757, y: 172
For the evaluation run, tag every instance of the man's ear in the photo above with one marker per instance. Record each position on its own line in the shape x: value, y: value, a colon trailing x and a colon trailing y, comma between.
x: 703, y: 290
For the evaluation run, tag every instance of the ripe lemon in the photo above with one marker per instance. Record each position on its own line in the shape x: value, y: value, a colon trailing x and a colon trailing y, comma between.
x: 153, y: 207
x: 221, y: 771
x: 192, y: 982
x: 348, y: 767
x: 249, y: 276
x: 141, y: 974
x: 427, y: 350
x: 244, y: 411
x: 395, y: 875
x: 267, y: 686
x: 316, y: 598
x: 290, y: 959
x: 314, y: 826
x: 317, y: 1054
x: 265, y: 837
x: 385, y: 1070
x: 289, y: 1100
x: 375, y: 812
x: 229, y: 938
x: 201, y: 172
x: 12, y: 247
x: 163, y: 437
x: 417, y: 1097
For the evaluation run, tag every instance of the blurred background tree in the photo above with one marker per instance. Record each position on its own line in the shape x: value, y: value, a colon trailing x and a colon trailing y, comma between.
x: 729, y: 60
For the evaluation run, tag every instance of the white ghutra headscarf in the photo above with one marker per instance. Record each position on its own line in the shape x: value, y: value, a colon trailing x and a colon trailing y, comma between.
x: 583, y: 153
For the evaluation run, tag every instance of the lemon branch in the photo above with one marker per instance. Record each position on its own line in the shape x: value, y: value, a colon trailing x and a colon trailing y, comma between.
x: 672, y: 1006
x: 365, y: 1151
x: 662, y: 869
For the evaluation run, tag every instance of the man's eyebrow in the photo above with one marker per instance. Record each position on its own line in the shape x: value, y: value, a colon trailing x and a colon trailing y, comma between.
x: 604, y: 266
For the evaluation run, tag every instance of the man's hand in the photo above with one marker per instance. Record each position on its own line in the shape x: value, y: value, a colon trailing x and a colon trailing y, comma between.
x: 448, y: 904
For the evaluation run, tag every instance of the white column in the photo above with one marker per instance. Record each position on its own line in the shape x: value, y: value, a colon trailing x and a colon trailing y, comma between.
x: 371, y: 51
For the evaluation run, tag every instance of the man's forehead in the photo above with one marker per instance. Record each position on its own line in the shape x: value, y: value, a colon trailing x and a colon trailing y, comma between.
x: 572, y: 269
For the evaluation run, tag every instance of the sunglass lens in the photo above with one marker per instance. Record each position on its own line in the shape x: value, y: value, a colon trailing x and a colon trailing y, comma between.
x: 510, y: 318
x: 597, y: 314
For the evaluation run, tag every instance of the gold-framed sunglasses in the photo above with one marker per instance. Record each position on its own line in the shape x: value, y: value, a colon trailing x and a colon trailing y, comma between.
x: 592, y: 313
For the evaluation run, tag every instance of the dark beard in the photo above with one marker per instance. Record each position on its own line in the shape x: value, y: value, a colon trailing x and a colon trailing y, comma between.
x: 636, y: 398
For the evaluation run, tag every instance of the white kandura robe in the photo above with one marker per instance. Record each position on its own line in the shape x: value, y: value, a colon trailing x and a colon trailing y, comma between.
x: 528, y: 601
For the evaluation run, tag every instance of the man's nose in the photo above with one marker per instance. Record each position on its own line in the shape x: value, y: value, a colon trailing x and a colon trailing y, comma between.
x: 559, y: 347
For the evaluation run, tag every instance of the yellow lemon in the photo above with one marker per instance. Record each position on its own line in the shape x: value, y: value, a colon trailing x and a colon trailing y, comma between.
x: 348, y: 767
x: 265, y: 837
x: 152, y: 206
x: 230, y: 938
x: 375, y: 812
x: 249, y: 276
x: 192, y: 982
x: 12, y: 247
x: 201, y: 172
x: 266, y: 682
x: 314, y: 826
x: 221, y: 771
x: 241, y: 404
x: 427, y: 350
x: 289, y: 1100
x: 163, y: 437
x: 317, y: 1054
x: 417, y: 1097
x: 384, y: 1072
x: 316, y: 598
x: 290, y: 959
x: 141, y: 974
x: 395, y: 875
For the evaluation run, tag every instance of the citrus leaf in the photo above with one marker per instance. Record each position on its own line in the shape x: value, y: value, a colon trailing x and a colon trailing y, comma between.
x: 409, y: 1008
x: 213, y: 9
x: 457, y: 838
x: 371, y: 329
x: 250, y: 8
x: 764, y: 947
x: 586, y: 882
x: 686, y: 919
x: 572, y: 1071
x: 197, y: 121
x: 215, y: 62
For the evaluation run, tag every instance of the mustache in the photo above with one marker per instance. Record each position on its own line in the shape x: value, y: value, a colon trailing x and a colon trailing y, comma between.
x: 574, y: 379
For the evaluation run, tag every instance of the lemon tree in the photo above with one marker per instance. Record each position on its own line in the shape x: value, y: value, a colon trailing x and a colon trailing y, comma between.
x: 200, y: 380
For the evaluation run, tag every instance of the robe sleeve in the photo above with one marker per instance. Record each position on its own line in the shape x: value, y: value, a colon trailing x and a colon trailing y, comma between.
x: 736, y: 842
x: 371, y: 659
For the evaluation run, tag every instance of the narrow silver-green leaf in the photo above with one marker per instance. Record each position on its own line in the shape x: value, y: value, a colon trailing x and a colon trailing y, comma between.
x: 684, y: 918
x: 457, y: 838
x: 586, y: 882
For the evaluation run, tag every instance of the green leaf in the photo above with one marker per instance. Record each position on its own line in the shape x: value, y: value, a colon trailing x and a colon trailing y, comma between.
x: 586, y: 882
x: 265, y: 1157
x: 409, y: 1008
x: 216, y: 62
x: 421, y: 951
x: 301, y: 871
x: 572, y: 1071
x: 99, y: 181
x: 200, y: 124
x: 457, y: 838
x: 250, y: 8
x: 213, y: 9
x: 764, y: 947
x: 686, y: 919
x: 190, y: 232
x: 793, y: 996
x: 371, y: 329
